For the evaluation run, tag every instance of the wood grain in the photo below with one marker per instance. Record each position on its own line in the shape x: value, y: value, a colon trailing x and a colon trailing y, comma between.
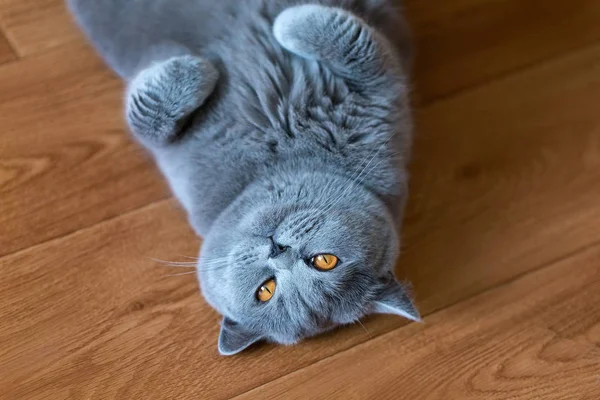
x: 6, y: 52
x: 84, y: 315
x: 463, y: 43
x: 35, y: 26
x: 535, y: 338
x: 506, y: 180
x: 65, y: 160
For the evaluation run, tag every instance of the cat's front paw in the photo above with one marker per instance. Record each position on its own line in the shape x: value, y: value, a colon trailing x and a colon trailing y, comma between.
x: 300, y: 29
x: 161, y: 97
x: 344, y: 42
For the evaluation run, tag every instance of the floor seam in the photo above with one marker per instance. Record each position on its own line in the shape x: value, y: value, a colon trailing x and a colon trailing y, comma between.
x: 504, y: 75
x: 85, y: 228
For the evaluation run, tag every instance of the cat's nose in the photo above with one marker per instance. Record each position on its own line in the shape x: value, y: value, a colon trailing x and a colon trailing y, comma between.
x: 276, y: 248
x: 284, y: 262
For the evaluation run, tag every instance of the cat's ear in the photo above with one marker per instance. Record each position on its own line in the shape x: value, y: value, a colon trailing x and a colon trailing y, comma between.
x: 161, y: 98
x: 395, y: 299
x: 235, y: 338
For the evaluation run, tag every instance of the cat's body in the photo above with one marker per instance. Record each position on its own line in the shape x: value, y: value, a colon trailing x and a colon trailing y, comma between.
x: 259, y: 143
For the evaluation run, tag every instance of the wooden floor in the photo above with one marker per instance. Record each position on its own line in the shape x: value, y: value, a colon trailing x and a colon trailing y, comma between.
x: 502, y: 233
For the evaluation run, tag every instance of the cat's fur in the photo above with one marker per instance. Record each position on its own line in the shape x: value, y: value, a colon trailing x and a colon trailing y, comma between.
x: 277, y: 123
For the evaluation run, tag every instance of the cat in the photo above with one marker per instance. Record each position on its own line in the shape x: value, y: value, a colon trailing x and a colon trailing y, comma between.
x: 284, y: 129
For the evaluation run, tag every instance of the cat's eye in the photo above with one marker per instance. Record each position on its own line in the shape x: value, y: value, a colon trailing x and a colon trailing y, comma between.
x: 325, y: 262
x: 266, y: 291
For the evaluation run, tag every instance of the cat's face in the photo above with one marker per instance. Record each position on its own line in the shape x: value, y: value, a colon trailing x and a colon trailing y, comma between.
x: 284, y: 270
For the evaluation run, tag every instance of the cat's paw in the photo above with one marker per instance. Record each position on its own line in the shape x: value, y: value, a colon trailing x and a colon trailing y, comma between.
x: 161, y: 97
x: 300, y: 29
x: 343, y: 41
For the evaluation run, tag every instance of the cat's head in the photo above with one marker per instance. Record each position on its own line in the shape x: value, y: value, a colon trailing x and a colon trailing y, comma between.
x: 296, y: 256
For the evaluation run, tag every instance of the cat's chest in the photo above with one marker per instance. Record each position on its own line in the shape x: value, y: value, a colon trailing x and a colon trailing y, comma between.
x: 283, y: 101
x: 275, y: 101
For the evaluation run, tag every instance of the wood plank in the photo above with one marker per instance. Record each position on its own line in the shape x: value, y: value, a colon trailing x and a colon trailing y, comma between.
x: 6, y: 52
x: 462, y: 43
x: 506, y: 178
x: 37, y: 25
x: 535, y: 338
x: 66, y: 161
x: 80, y: 313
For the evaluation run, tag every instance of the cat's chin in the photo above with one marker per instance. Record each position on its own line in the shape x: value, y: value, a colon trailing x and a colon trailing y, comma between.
x: 287, y: 341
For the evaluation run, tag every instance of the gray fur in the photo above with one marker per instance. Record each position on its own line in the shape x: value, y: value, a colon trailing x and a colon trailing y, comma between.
x: 274, y: 121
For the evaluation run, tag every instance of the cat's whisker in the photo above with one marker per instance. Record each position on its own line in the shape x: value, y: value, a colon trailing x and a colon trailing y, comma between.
x: 341, y: 197
x: 182, y: 263
x: 211, y: 267
x: 176, y: 264
x: 191, y: 264
x: 182, y: 273
x: 191, y: 258
x: 214, y: 268
x: 172, y: 262
x: 216, y: 262
x: 357, y: 182
x: 357, y: 174
x: 160, y: 261
x: 213, y: 262
x: 365, y: 328
x: 214, y: 259
x: 356, y: 177
x: 366, y: 169
x: 179, y: 266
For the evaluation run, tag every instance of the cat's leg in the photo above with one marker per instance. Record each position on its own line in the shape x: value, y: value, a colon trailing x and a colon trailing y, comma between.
x: 343, y: 41
x: 163, y: 96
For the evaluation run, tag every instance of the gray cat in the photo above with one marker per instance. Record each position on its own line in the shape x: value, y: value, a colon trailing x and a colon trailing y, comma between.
x: 283, y: 127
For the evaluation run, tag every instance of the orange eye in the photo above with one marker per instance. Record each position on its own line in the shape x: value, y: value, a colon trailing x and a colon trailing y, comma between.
x: 266, y: 290
x: 325, y: 262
